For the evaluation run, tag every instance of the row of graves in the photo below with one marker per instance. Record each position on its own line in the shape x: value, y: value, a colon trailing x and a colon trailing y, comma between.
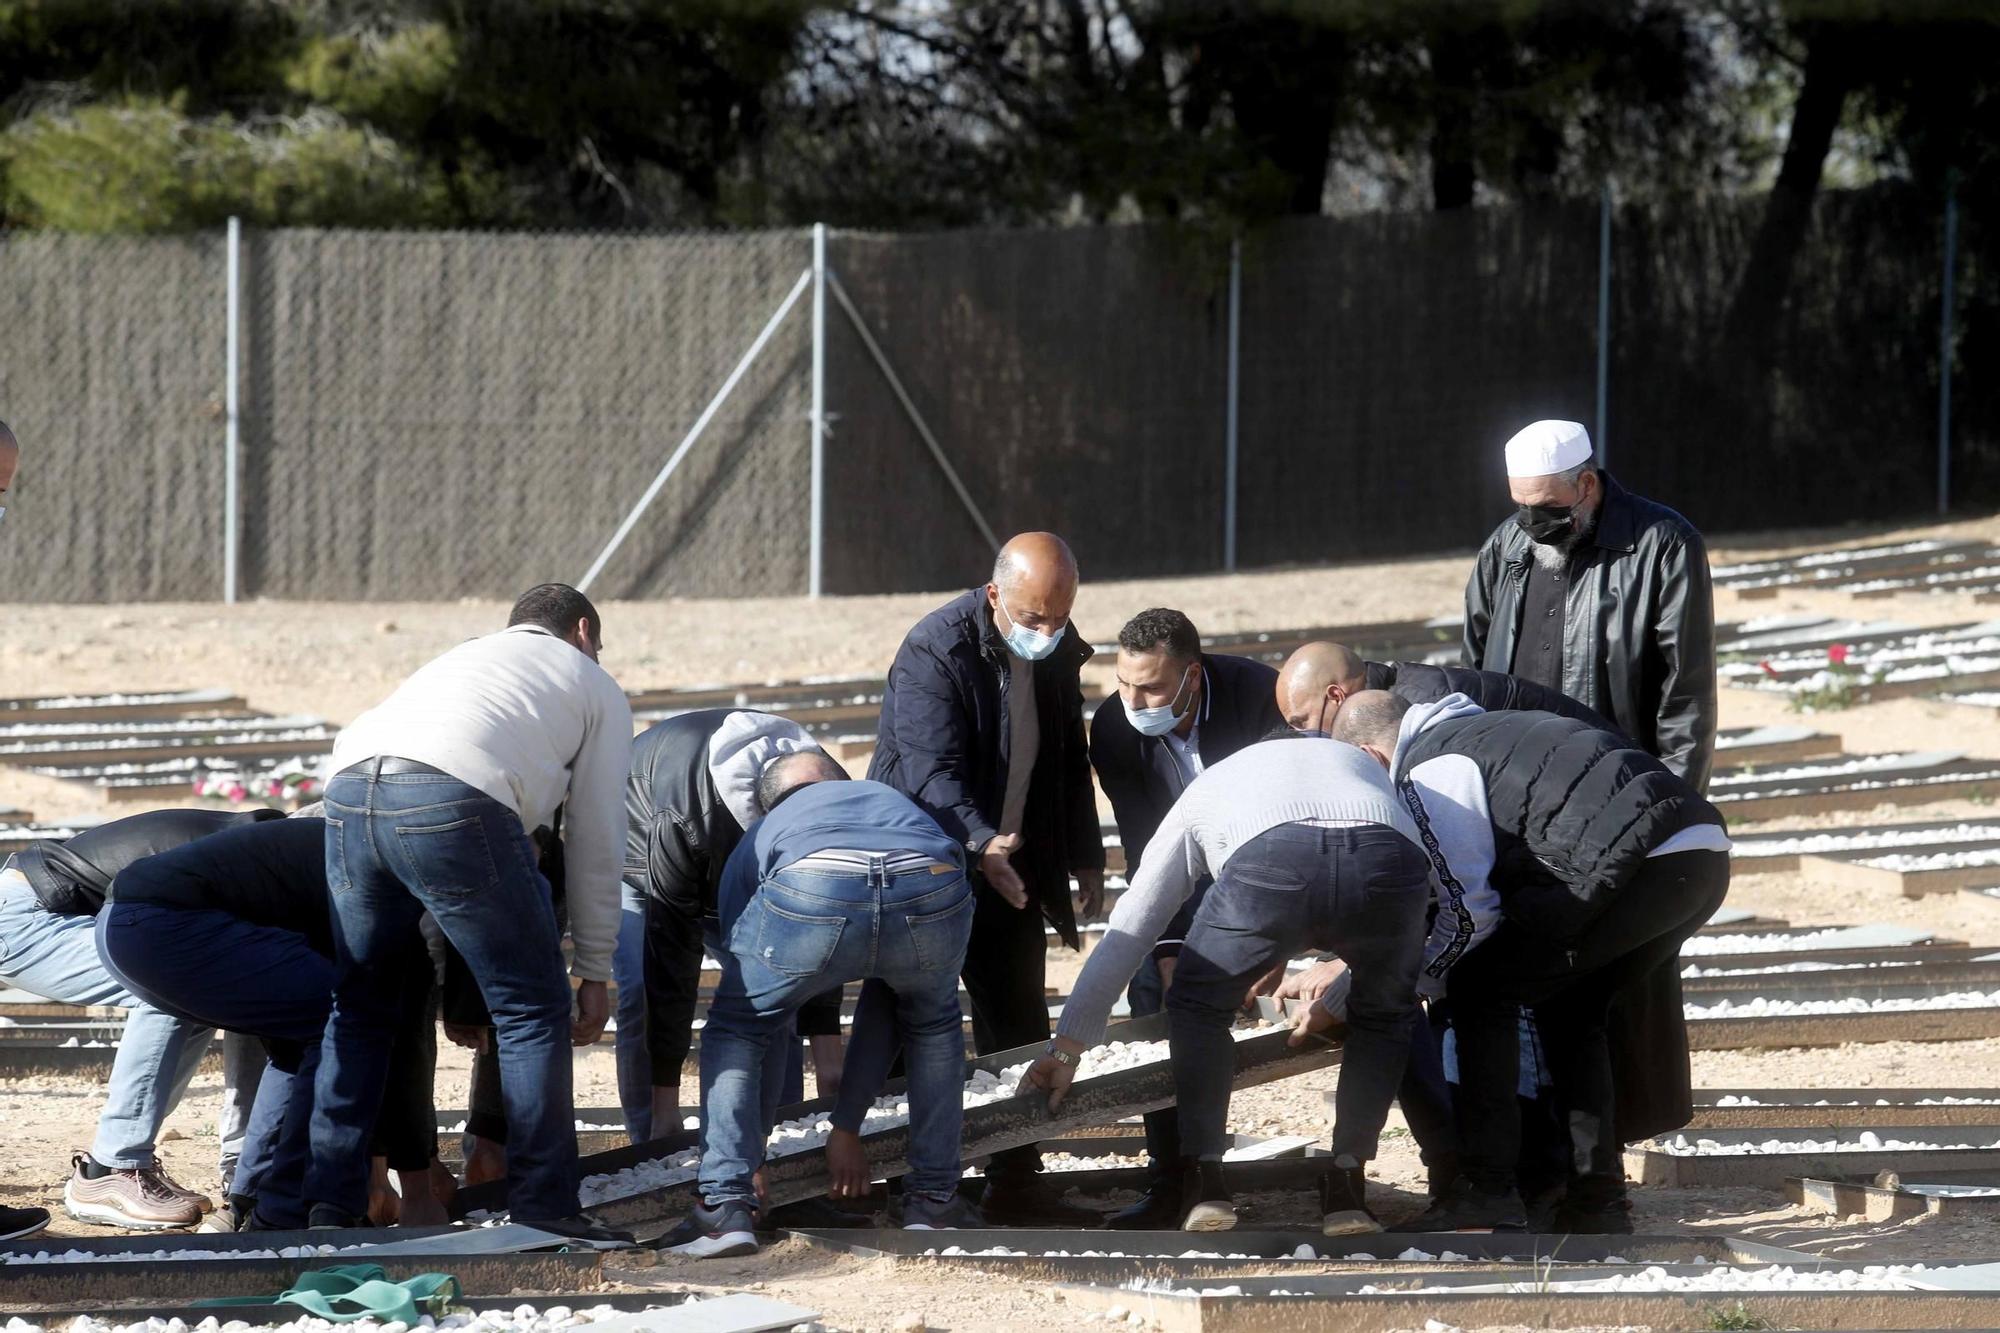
x: 1749, y: 984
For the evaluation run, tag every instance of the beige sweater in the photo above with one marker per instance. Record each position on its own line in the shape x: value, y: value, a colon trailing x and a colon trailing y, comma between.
x: 533, y: 723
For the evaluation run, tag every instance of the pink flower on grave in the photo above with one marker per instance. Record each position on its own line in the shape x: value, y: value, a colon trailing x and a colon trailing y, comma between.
x: 235, y: 793
x: 1837, y: 654
x: 1769, y: 670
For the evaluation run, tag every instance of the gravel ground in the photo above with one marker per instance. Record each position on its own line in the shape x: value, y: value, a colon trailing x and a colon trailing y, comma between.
x: 334, y: 660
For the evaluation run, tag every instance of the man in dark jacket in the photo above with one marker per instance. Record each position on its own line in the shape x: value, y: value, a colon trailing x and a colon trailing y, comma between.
x: 1177, y: 711
x: 50, y: 894
x: 1605, y: 596
x: 691, y: 794
x: 1604, y: 863
x: 982, y: 726
x: 235, y: 931
x: 1602, y: 595
x: 1321, y: 676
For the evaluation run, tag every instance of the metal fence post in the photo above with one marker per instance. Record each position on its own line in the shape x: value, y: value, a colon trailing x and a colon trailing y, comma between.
x: 230, y: 537
x: 818, y: 538
x: 1603, y: 318
x: 1229, y: 416
x: 1945, y: 323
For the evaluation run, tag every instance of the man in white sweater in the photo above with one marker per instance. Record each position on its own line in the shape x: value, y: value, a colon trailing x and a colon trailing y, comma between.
x: 434, y: 795
x: 1309, y: 848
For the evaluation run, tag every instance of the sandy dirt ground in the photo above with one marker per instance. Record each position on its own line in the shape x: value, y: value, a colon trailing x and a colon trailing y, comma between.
x: 334, y: 660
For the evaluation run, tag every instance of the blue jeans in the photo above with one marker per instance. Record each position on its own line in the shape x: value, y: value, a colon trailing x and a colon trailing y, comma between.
x: 55, y: 957
x: 808, y: 929
x: 1361, y: 891
x: 218, y: 970
x: 398, y: 845
x: 635, y: 1063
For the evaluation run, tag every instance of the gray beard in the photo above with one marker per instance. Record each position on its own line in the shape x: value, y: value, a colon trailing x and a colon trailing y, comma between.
x: 1554, y: 557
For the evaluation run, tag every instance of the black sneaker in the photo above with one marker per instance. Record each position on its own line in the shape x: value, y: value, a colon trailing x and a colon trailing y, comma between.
x: 923, y: 1212
x: 1029, y: 1200
x: 1158, y: 1209
x: 813, y: 1215
x: 581, y: 1226
x: 18, y: 1222
x: 1468, y: 1208
x: 326, y: 1217
x: 1343, y: 1203
x: 713, y: 1233
x: 1212, y: 1208
x: 1593, y: 1206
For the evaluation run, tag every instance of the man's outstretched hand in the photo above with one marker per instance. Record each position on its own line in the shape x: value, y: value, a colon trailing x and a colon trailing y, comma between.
x: 846, y: 1165
x: 1048, y: 1075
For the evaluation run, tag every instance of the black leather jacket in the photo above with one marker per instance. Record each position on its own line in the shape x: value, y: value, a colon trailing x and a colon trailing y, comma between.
x: 71, y: 877
x: 1638, y: 631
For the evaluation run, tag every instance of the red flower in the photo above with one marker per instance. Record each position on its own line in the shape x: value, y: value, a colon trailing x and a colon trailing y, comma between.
x: 1837, y: 654
x: 1769, y: 670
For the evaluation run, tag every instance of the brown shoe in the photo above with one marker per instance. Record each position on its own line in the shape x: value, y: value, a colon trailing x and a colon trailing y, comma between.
x: 132, y: 1200
x: 199, y: 1200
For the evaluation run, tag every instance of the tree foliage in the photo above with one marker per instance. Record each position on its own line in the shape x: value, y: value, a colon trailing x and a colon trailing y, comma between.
x: 149, y: 115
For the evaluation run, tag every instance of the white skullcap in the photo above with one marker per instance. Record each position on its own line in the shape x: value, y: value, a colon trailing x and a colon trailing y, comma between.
x: 1547, y: 447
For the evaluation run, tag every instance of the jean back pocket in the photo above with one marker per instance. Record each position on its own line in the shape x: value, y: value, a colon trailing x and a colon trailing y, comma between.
x: 792, y: 943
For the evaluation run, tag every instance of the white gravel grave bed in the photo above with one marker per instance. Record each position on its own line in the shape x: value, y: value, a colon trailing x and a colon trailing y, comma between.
x: 1811, y: 844
x: 1734, y: 1100
x: 1793, y: 967
x: 1922, y: 648
x: 157, y: 1256
x: 521, y: 1319
x: 807, y: 1133
x: 1680, y: 1145
x: 1868, y: 763
x: 1762, y: 1007
x: 1002, y: 1252
x: 1875, y: 1277
x: 1698, y: 946
x: 1941, y: 582
x: 1909, y: 861
x: 1921, y: 780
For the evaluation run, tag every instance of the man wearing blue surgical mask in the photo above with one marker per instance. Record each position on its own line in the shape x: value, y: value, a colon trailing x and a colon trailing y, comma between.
x: 982, y: 726
x: 1177, y: 710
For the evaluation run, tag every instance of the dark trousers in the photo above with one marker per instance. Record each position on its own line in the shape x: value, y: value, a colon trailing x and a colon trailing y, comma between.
x: 1425, y: 1096
x: 1148, y: 995
x: 400, y: 844
x: 213, y: 968
x: 1006, y: 967
x: 1360, y: 891
x: 1569, y: 988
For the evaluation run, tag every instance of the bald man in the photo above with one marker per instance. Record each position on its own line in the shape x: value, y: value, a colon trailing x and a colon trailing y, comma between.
x: 982, y: 726
x: 1320, y: 676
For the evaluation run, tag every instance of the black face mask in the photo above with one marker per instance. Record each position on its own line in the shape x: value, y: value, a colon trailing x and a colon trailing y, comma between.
x: 1546, y: 524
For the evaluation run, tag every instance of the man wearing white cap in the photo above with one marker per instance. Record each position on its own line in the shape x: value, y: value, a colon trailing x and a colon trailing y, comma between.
x: 1605, y: 596
x: 1600, y: 594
